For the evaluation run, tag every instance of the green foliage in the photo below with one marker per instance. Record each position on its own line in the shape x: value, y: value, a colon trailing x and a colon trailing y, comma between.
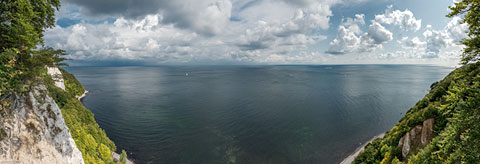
x: 470, y: 10
x: 49, y: 57
x: 123, y: 157
x: 396, y: 161
x: 386, y: 159
x: 16, y: 75
x: 371, y: 153
x: 105, y: 153
x: 454, y: 102
x: 23, y: 64
x: 72, y: 85
x: 9, y: 72
x: 22, y: 22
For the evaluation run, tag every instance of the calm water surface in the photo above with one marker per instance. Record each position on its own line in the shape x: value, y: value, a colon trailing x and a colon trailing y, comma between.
x: 250, y: 114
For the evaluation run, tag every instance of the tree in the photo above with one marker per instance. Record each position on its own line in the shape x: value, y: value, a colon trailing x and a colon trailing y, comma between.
x: 123, y: 157
x: 23, y: 58
x: 22, y: 22
x: 105, y: 153
x: 9, y: 72
x: 470, y: 10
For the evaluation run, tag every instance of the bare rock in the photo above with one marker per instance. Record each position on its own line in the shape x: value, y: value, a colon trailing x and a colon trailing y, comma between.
x: 427, y: 131
x: 417, y: 138
x: 35, y: 132
x: 56, y: 76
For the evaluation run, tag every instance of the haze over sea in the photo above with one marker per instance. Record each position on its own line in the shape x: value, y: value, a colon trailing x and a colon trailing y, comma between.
x: 250, y: 114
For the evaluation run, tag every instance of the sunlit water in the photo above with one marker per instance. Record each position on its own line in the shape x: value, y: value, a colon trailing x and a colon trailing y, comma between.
x: 250, y: 114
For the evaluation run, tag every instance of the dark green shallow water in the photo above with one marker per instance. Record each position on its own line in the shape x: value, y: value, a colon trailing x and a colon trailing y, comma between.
x: 250, y: 114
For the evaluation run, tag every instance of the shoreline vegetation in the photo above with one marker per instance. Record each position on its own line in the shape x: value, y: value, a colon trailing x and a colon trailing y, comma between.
x: 25, y: 61
x: 350, y: 158
x: 441, y: 128
x: 453, y: 102
x: 115, y: 155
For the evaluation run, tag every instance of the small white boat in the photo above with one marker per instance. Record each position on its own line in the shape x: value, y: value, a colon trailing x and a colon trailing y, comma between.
x: 186, y: 74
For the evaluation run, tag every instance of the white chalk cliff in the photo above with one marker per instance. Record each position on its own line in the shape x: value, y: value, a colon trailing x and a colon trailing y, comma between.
x: 56, y: 76
x: 34, y: 131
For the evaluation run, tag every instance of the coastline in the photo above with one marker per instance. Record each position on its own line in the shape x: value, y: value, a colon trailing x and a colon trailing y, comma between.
x: 82, y: 96
x: 350, y: 158
x: 115, y: 155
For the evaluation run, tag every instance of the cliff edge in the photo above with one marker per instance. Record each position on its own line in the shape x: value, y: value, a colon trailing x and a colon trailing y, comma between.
x: 443, y: 127
x: 46, y: 123
x: 34, y: 131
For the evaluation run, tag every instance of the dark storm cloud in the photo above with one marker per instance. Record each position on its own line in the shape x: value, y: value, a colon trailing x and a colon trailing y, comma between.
x: 254, y: 45
x: 126, y: 8
x: 200, y: 16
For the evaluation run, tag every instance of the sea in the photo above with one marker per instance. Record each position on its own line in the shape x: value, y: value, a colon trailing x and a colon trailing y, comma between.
x: 250, y: 114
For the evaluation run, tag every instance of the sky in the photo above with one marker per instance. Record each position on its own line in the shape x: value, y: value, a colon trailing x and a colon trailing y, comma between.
x: 223, y: 32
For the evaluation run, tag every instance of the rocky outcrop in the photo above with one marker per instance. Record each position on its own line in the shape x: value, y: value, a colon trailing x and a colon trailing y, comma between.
x: 56, y: 76
x: 417, y: 138
x: 427, y: 131
x: 34, y: 131
x: 82, y: 96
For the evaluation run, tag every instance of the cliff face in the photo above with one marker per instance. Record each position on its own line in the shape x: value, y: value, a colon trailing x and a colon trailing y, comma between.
x: 417, y: 138
x: 33, y: 128
x: 443, y: 127
x: 57, y: 77
x: 34, y: 131
x: 89, y: 138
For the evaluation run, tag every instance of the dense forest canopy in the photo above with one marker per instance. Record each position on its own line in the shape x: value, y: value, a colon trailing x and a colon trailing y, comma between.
x: 24, y: 21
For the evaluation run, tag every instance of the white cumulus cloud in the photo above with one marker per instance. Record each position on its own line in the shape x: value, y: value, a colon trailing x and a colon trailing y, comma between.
x: 404, y: 19
x: 345, y: 42
x: 351, y: 39
x: 378, y: 33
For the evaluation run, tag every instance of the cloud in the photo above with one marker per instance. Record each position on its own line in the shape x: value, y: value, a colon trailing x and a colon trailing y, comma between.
x: 353, y: 24
x: 350, y: 38
x: 306, y: 3
x: 437, y: 43
x: 190, y: 31
x: 296, y: 31
x: 150, y: 39
x: 205, y: 17
x: 124, y: 8
x: 436, y: 40
x: 239, y: 31
x: 378, y: 33
x: 123, y: 40
x: 413, y: 43
x: 404, y: 19
x: 451, y: 35
x: 345, y: 42
x: 457, y: 30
